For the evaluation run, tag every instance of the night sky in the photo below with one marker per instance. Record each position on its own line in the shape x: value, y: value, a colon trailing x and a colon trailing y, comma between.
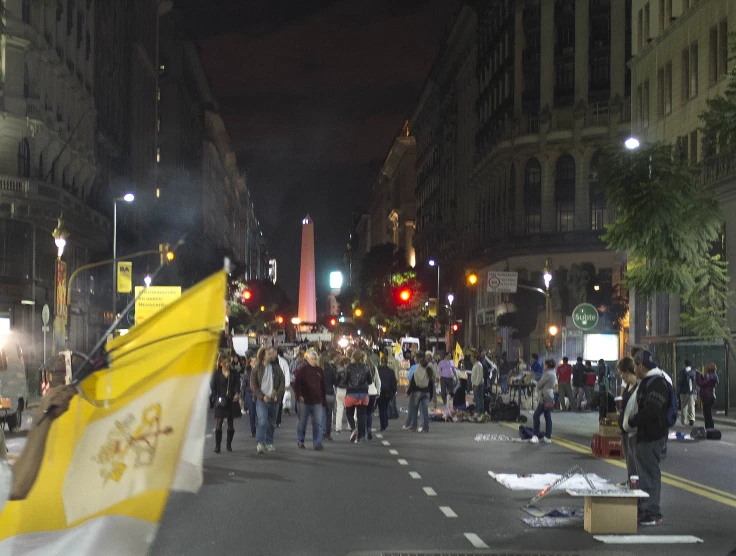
x: 313, y: 93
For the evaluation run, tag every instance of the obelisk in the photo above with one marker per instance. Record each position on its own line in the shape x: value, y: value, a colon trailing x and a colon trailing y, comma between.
x: 307, y: 291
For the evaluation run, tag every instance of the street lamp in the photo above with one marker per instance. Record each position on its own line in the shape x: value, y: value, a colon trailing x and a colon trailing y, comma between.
x: 128, y: 198
x: 632, y: 143
x: 147, y: 280
x: 450, y: 298
x: 432, y: 262
x: 60, y: 315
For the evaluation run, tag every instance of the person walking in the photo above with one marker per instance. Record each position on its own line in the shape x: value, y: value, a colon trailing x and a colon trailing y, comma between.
x: 246, y: 395
x: 413, y: 396
x: 422, y: 389
x: 388, y: 391
x: 329, y: 372
x: 358, y: 375
x: 309, y: 389
x: 536, y: 366
x: 578, y: 381
x: 267, y: 386
x: 545, y: 390
x: 341, y: 383
x: 650, y: 419
x: 589, y: 379
x: 629, y: 382
x: 564, y: 385
x: 374, y: 389
x: 503, y: 370
x: 284, y: 366
x: 394, y: 365
x: 707, y: 383
x: 476, y: 382
x: 224, y: 386
x: 686, y: 382
x: 447, y: 372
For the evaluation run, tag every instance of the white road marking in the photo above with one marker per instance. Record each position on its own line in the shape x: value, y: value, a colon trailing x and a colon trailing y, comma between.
x: 726, y: 443
x: 475, y: 540
x: 647, y: 539
x: 447, y: 510
x: 403, y: 462
x: 429, y: 491
x: 385, y: 443
x: 414, y: 475
x: 379, y: 436
x: 393, y: 452
x: 208, y: 435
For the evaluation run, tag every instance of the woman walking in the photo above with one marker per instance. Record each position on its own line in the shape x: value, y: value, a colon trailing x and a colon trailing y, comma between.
x: 707, y: 383
x: 246, y: 395
x: 387, y: 391
x: 341, y: 384
x: 374, y: 389
x: 224, y: 388
x: 545, y: 390
x: 267, y: 385
x: 625, y: 369
x: 358, y: 378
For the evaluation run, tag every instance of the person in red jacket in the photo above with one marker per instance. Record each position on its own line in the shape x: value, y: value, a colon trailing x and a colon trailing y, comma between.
x: 564, y: 386
x: 309, y: 389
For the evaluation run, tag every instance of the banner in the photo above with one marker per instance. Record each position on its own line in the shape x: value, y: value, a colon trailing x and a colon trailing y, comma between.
x: 153, y: 299
x: 458, y: 355
x: 134, y: 433
x: 125, y: 277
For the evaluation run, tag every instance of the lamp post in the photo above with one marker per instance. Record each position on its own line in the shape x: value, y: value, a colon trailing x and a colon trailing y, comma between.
x: 128, y: 198
x: 548, y: 303
x: 433, y: 262
x: 60, y: 311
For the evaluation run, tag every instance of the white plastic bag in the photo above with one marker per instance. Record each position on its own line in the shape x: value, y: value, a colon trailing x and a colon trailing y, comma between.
x: 287, y: 399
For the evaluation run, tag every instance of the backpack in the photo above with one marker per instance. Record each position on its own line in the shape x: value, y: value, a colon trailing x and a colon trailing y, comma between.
x: 671, y: 414
x: 421, y: 378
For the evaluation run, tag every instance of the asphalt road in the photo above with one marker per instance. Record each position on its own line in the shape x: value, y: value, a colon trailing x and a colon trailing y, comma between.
x: 362, y: 498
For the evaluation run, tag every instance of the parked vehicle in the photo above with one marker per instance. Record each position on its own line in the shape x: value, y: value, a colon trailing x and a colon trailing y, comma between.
x: 13, y: 381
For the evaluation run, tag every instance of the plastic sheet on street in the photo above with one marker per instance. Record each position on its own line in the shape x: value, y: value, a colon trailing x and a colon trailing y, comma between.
x: 539, y: 481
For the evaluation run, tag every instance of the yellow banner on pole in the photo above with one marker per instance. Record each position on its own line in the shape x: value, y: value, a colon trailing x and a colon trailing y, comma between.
x: 125, y: 277
x: 153, y: 300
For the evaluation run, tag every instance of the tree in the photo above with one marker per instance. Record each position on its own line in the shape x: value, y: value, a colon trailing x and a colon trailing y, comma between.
x: 667, y: 221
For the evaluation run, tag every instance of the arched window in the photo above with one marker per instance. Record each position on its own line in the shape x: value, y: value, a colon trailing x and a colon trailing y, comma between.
x: 533, y: 196
x: 565, y: 193
x: 24, y: 159
x: 26, y: 82
x: 25, y: 10
x: 598, y: 218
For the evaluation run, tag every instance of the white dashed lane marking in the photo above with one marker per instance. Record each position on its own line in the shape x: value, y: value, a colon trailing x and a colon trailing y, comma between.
x: 414, y: 475
x: 379, y: 436
x: 475, y: 540
x: 447, y: 510
x: 429, y: 491
x: 385, y: 443
x: 393, y: 452
x: 403, y: 462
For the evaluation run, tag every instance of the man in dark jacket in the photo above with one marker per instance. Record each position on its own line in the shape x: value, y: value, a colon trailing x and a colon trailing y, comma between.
x: 330, y: 374
x: 309, y: 389
x: 686, y: 390
x: 388, y: 390
x: 578, y: 381
x: 650, y: 420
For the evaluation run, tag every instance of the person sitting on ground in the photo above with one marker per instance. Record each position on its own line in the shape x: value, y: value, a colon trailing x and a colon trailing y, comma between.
x: 459, y: 397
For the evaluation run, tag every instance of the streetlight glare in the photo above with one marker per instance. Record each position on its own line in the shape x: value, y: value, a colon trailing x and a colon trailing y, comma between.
x: 432, y: 262
x: 296, y: 320
x: 147, y: 281
x: 472, y: 279
x: 128, y: 197
x: 553, y: 330
x: 450, y: 298
x: 632, y: 143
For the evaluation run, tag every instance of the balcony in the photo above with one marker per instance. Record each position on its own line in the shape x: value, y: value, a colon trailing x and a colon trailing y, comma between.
x: 598, y: 114
x: 718, y: 168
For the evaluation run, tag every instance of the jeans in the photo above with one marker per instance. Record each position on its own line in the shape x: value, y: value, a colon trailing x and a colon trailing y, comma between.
x: 628, y: 444
x: 383, y: 408
x: 589, y: 396
x: 250, y: 405
x: 393, y: 412
x: 369, y: 415
x: 547, y: 421
x: 327, y: 421
x: 318, y: 414
x: 478, y: 400
x: 504, y: 384
x: 413, y: 403
x: 648, y: 455
x: 578, y: 394
x: 360, y: 420
x: 445, y: 386
x: 266, y: 413
x: 708, y: 412
x: 687, y: 411
x: 422, y: 402
x: 339, y: 407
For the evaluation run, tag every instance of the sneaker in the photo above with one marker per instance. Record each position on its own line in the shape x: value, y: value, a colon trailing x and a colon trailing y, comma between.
x: 547, y: 440
x: 406, y: 427
x: 318, y: 448
x: 300, y: 445
x: 270, y: 448
x: 370, y: 436
x: 420, y: 429
x: 692, y: 423
x: 354, y: 435
x: 534, y: 440
x: 648, y: 520
x: 260, y: 448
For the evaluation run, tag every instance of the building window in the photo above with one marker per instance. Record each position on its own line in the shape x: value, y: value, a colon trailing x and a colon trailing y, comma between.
x: 712, y: 56
x: 681, y: 148
x: 664, y: 90
x: 24, y: 159
x: 26, y: 82
x: 25, y: 10
x: 694, y: 147
x: 662, y: 23
x: 533, y: 196
x: 597, y: 198
x: 88, y: 46
x: 600, y: 73
x: 565, y: 77
x: 80, y: 28
x: 565, y: 193
x: 69, y: 16
x: 723, y: 48
x: 647, y: 29
x: 640, y: 32
x: 694, y: 70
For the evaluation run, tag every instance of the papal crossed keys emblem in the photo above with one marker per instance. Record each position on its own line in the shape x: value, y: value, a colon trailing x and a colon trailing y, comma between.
x: 127, y: 436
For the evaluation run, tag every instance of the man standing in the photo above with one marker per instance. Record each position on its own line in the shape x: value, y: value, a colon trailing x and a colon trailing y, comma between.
x: 447, y: 371
x: 490, y: 369
x: 267, y: 385
x: 476, y: 381
x: 686, y: 390
x: 328, y: 368
x: 589, y: 383
x: 578, y: 380
x: 650, y: 420
x: 503, y: 370
x: 432, y: 368
x: 309, y: 389
x: 564, y: 386
x: 537, y: 368
x: 388, y: 390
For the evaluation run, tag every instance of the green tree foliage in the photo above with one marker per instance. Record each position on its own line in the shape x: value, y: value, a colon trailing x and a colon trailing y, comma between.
x: 719, y: 120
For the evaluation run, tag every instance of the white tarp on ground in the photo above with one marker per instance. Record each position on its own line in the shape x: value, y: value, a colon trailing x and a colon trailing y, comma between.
x: 539, y: 481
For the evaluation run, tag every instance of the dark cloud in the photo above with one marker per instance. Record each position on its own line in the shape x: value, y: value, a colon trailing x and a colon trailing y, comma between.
x: 313, y: 93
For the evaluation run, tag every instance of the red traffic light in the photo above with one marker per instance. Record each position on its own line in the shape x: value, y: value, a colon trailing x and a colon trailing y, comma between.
x: 247, y: 294
x: 280, y: 320
x: 333, y: 321
x: 405, y: 294
x: 455, y: 327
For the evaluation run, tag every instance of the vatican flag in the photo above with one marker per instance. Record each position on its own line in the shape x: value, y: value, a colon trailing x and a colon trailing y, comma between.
x: 134, y: 433
x: 458, y: 355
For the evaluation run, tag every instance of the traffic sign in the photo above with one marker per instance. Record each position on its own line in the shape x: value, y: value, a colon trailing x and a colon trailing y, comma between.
x: 45, y: 314
x: 502, y: 282
x: 585, y: 316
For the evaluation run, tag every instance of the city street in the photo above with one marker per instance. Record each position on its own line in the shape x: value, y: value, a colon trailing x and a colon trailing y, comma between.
x: 430, y: 492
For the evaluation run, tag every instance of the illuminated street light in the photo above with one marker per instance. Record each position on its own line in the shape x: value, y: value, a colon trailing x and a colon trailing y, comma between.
x: 450, y: 298
x: 343, y: 342
x: 547, y: 275
x: 553, y: 330
x: 358, y: 312
x: 296, y: 320
x: 632, y: 143
x: 596, y: 287
x: 147, y: 280
x: 472, y: 278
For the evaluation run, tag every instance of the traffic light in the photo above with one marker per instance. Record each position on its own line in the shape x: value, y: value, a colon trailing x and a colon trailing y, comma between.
x: 455, y: 327
x: 405, y: 295
x: 165, y: 254
x: 280, y: 319
x: 358, y: 312
x: 472, y: 278
x: 333, y: 321
x: 246, y: 295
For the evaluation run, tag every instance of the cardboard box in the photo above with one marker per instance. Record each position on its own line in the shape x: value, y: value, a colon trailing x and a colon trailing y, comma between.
x: 610, y: 515
x: 609, y: 430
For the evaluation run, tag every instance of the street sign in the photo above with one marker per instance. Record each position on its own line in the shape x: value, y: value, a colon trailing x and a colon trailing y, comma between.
x: 502, y: 282
x: 585, y: 316
x: 45, y: 314
x: 125, y: 277
x: 153, y: 300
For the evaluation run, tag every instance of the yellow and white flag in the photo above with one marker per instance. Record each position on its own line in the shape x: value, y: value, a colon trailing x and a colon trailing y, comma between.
x: 458, y: 355
x: 135, y: 432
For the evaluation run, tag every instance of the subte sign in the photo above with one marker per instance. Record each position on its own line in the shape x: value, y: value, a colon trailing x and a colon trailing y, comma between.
x: 585, y: 316
x: 502, y: 282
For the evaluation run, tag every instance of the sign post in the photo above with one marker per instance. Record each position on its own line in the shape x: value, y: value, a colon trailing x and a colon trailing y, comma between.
x: 585, y: 316
x: 502, y: 282
x: 45, y: 328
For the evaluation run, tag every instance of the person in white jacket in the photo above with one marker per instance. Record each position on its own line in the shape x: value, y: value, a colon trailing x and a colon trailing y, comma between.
x: 545, y: 388
x: 374, y: 390
x: 285, y: 403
